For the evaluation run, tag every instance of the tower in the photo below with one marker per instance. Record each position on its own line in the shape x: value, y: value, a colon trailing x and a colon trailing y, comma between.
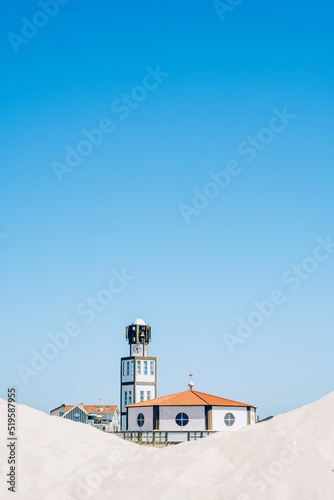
x: 138, y: 371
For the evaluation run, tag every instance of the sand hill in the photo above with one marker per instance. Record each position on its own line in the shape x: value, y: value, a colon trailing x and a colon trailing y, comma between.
x: 288, y: 458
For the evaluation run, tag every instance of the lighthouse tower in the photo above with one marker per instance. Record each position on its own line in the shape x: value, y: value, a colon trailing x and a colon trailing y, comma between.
x: 138, y: 371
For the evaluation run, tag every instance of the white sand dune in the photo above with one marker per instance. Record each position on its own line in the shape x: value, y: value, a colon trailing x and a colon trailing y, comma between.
x: 288, y: 458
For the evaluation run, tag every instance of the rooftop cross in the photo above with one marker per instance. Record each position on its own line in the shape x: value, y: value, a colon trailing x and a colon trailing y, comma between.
x: 191, y: 383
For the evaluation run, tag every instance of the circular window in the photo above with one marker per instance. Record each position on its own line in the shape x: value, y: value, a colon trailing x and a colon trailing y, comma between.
x: 140, y: 420
x: 229, y: 419
x: 181, y: 419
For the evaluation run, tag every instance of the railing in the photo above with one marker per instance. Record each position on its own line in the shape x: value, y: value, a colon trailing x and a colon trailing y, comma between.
x: 162, y: 438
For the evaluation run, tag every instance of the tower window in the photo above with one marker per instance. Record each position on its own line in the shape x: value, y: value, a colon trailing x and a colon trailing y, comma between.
x: 151, y: 367
x: 138, y: 367
x: 141, y: 395
x: 145, y: 367
x: 128, y: 367
x: 181, y: 419
x: 125, y: 398
x: 132, y: 367
x: 229, y: 419
x: 148, y: 395
x: 140, y: 420
x: 130, y: 397
x: 123, y: 368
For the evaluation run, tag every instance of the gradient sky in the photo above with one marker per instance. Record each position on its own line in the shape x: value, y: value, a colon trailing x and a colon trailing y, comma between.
x: 61, y: 241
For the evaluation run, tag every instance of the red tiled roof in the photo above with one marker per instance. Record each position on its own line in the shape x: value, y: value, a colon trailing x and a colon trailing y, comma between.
x: 100, y: 408
x: 189, y: 398
x: 92, y: 408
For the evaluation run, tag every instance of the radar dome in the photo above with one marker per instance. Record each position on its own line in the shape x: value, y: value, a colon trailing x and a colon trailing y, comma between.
x: 139, y: 321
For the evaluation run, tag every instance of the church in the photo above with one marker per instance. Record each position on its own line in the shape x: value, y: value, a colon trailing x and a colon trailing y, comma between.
x: 179, y: 414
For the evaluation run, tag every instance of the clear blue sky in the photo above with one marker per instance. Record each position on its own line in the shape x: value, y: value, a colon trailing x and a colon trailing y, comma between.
x: 119, y: 208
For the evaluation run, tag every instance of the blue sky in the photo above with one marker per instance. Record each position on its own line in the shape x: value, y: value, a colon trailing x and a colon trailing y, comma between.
x: 60, y: 242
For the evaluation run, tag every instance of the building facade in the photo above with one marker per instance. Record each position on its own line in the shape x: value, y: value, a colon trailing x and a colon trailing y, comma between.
x: 188, y: 412
x: 138, y: 370
x: 103, y: 417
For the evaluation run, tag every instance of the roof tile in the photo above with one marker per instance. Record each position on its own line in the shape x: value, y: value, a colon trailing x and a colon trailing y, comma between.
x: 189, y: 398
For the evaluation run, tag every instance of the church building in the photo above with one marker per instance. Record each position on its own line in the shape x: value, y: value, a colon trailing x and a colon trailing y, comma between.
x: 190, y: 411
x: 180, y: 414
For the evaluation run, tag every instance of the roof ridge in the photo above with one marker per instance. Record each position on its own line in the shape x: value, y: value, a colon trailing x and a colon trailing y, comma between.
x: 226, y: 399
x: 193, y: 398
x: 198, y: 395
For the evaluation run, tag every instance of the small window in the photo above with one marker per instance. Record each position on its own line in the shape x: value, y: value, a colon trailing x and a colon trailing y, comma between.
x: 123, y: 371
x: 140, y: 420
x: 76, y: 417
x: 229, y: 419
x: 130, y: 397
x: 145, y: 367
x: 182, y: 419
x: 61, y: 413
x: 141, y: 395
x: 132, y: 367
x: 151, y: 367
x: 148, y: 395
x: 138, y: 367
x: 128, y: 367
x: 125, y: 398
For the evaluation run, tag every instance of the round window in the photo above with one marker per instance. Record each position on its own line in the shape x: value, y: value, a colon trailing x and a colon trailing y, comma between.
x: 229, y: 419
x: 181, y: 419
x: 140, y: 420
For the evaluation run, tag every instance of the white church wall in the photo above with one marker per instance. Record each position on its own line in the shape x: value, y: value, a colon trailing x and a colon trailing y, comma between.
x: 147, y: 370
x: 253, y: 421
x: 133, y: 413
x: 128, y: 389
x: 127, y: 370
x: 167, y: 416
x: 145, y: 378
x: 218, y: 415
x: 144, y: 388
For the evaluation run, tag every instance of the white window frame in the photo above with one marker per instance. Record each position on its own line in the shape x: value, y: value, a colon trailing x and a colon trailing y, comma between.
x: 151, y: 367
x: 229, y: 419
x: 145, y: 367
x: 138, y: 367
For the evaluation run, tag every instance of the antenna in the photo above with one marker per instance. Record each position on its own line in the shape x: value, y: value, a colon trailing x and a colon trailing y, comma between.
x: 191, y: 383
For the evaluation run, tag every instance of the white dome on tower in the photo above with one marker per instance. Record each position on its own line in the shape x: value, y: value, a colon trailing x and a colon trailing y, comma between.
x: 139, y: 321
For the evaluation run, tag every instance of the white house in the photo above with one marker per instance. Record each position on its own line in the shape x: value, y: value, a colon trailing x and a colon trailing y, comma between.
x: 190, y: 411
x: 103, y: 417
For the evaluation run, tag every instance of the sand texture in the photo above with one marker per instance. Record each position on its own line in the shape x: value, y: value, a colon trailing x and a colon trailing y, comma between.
x: 290, y: 457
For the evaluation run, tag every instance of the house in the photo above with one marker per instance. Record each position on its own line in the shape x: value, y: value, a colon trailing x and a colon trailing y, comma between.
x: 103, y: 417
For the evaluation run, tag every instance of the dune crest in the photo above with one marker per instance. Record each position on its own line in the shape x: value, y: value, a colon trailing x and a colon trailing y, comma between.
x: 290, y: 457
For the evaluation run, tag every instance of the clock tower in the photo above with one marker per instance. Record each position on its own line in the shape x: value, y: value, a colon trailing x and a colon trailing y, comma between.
x: 138, y: 371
